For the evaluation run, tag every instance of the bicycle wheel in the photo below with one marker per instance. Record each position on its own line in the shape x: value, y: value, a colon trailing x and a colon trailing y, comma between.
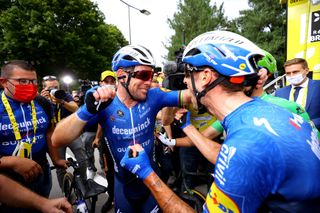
x: 67, y: 187
x: 194, y: 198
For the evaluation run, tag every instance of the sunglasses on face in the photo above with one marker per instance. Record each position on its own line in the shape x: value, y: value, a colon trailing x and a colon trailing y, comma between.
x: 144, y: 75
x: 49, y: 77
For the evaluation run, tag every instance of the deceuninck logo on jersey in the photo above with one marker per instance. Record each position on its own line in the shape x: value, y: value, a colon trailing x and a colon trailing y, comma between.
x: 315, y: 26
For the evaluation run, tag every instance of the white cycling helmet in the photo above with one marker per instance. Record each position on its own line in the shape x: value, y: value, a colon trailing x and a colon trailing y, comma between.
x: 132, y: 55
x: 228, y: 53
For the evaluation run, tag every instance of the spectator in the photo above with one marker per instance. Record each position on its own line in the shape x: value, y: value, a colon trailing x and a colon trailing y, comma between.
x: 302, y: 90
x: 25, y: 133
x: 108, y: 78
x: 63, y: 106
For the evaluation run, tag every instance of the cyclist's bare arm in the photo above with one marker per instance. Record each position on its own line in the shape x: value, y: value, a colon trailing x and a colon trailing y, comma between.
x: 166, y: 198
x: 209, y: 132
x: 67, y: 130
x: 208, y: 148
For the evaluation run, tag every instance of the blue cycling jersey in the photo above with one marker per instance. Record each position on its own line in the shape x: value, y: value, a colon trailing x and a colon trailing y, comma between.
x: 124, y: 127
x: 23, y: 115
x: 268, y: 151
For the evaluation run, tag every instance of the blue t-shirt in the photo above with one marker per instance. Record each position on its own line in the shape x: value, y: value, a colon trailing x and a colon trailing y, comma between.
x: 23, y: 115
x: 123, y: 127
x: 268, y: 151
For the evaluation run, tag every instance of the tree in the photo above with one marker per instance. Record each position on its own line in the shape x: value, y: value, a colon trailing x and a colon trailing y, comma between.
x: 264, y: 24
x: 193, y: 18
x: 58, y: 35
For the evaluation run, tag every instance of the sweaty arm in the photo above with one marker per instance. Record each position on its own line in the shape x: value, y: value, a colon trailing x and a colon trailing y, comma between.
x: 166, y: 198
x: 210, y: 132
x: 208, y: 148
x: 67, y: 130
x: 137, y: 162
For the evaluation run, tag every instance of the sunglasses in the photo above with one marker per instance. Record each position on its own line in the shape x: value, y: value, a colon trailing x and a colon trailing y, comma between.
x: 49, y: 78
x: 188, y: 69
x: 144, y: 75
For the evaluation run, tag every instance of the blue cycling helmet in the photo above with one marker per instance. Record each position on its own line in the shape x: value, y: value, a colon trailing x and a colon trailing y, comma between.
x: 227, y: 53
x: 132, y: 55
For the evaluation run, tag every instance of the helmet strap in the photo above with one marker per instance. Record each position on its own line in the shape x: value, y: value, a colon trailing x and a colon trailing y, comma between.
x: 201, y: 108
x: 126, y: 85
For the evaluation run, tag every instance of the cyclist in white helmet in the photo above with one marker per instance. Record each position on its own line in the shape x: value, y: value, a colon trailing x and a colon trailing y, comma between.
x: 270, y: 159
x: 127, y: 117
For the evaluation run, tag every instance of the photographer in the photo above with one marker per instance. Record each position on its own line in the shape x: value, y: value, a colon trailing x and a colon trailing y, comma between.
x: 63, y: 105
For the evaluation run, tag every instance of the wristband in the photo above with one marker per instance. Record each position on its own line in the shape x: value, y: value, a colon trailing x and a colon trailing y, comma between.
x: 167, y: 141
x: 83, y: 113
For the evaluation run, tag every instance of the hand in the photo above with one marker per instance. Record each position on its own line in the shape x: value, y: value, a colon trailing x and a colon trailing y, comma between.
x: 263, y: 77
x: 95, y: 143
x: 27, y: 168
x: 96, y: 99
x: 61, y: 163
x: 183, y: 121
x: 45, y: 93
x: 163, y: 138
x: 57, y: 205
x: 137, y: 161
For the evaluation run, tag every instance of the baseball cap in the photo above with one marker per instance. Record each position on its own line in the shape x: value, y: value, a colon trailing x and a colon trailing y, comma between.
x: 106, y: 74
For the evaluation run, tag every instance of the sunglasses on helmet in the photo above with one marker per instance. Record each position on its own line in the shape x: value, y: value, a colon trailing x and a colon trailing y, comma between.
x: 144, y: 75
x: 49, y: 78
x: 188, y: 69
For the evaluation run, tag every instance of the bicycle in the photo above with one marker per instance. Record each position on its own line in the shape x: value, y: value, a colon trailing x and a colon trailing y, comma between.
x: 191, y: 196
x: 82, y: 196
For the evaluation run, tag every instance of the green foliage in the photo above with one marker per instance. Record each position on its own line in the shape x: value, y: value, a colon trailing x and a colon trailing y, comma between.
x: 193, y: 18
x: 58, y: 36
x: 264, y: 24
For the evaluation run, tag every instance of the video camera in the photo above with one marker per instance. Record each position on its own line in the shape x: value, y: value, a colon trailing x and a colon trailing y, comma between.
x: 85, y: 85
x: 174, y: 72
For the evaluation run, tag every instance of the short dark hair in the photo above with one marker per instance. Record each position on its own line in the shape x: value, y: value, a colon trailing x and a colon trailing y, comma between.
x: 11, y: 65
x: 293, y: 61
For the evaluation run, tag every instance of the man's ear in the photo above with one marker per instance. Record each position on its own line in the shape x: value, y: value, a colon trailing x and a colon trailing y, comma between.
x: 207, y: 76
x: 121, y: 74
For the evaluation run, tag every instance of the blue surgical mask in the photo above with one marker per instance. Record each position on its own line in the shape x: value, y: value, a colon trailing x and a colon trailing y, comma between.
x: 295, y: 80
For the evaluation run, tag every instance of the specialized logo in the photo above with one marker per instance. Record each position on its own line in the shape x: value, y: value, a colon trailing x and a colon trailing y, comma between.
x: 265, y: 123
x: 218, y: 201
x: 225, y: 156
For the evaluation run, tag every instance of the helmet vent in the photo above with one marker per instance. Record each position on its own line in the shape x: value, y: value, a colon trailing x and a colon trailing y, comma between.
x: 221, y: 52
x: 129, y: 58
x: 193, y: 51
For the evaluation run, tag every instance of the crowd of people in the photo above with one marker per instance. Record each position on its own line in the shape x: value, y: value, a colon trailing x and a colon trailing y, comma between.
x: 261, y: 151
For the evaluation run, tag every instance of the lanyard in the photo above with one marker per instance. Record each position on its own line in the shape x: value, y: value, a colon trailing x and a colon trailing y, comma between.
x: 57, y: 118
x: 13, y: 121
x: 304, y: 96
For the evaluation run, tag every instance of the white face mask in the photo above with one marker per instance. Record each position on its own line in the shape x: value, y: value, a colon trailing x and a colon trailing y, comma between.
x: 294, y: 80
